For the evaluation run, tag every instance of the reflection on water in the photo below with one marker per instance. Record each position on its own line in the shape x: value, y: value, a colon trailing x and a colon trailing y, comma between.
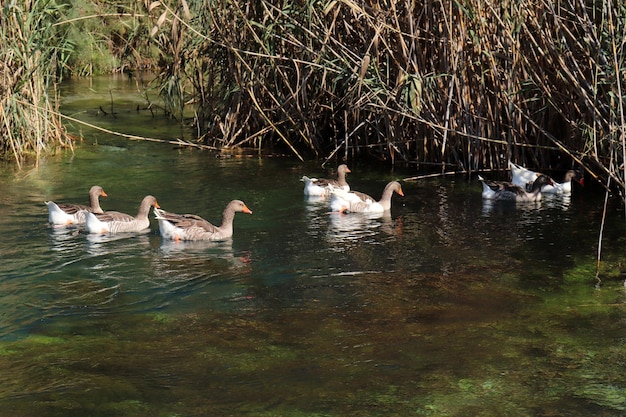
x: 64, y: 238
x: 99, y: 241
x: 491, y: 207
x: 337, y: 228
x: 185, y: 252
x: 360, y: 227
x: 560, y: 202
x: 447, y: 305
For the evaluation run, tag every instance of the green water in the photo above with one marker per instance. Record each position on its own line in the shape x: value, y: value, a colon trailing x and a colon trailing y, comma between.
x: 445, y: 307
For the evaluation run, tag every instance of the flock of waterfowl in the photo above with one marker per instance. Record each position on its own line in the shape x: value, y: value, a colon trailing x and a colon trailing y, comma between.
x: 172, y: 226
x: 526, y: 185
x: 344, y: 200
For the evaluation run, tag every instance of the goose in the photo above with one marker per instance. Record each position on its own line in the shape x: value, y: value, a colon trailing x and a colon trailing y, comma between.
x: 321, y: 186
x: 356, y: 202
x: 179, y: 227
x: 116, y: 222
x: 524, y: 177
x: 564, y: 187
x: 507, y: 191
x: 66, y: 214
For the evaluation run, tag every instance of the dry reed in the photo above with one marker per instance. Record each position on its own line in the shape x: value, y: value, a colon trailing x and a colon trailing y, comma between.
x: 447, y: 85
x: 460, y: 86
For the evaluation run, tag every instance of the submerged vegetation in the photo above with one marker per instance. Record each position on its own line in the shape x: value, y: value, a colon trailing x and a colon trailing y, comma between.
x: 533, y: 357
x: 444, y: 85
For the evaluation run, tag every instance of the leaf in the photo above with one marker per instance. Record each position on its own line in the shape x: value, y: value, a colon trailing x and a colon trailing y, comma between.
x: 415, y: 94
x: 329, y: 6
x: 162, y: 18
x: 364, y: 65
x: 186, y: 9
x: 154, y: 5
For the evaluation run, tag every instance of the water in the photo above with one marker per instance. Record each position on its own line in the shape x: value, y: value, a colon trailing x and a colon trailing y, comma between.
x: 446, y: 306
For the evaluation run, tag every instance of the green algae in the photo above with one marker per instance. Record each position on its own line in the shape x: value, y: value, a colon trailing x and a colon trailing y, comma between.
x: 44, y: 340
x: 287, y: 363
x: 162, y: 318
x: 383, y: 354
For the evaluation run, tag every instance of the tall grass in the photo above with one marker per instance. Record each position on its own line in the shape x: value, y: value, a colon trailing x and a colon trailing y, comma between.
x: 106, y: 37
x: 456, y: 85
x: 32, y: 50
x: 42, y: 41
x: 447, y: 85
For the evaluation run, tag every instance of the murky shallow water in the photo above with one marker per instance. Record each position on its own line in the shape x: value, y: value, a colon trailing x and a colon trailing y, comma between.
x: 445, y: 307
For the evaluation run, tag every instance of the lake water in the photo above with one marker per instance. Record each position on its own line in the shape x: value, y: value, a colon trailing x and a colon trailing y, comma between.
x: 446, y: 306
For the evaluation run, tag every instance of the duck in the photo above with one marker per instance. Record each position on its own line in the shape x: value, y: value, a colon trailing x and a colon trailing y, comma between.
x: 357, y: 202
x: 507, y: 191
x: 321, y: 187
x: 116, y: 222
x: 190, y: 227
x: 524, y: 177
x: 68, y: 214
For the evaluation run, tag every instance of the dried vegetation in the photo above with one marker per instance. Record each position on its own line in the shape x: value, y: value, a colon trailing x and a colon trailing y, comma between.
x: 456, y: 86
x: 447, y: 85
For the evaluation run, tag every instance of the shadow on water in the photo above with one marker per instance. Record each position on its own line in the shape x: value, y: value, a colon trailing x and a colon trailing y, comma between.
x: 446, y: 306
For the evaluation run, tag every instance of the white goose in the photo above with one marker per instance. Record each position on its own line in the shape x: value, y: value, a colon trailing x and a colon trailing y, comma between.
x: 116, y: 222
x: 507, y: 191
x: 356, y: 202
x: 179, y: 227
x: 564, y: 187
x: 66, y: 214
x: 321, y: 187
x: 524, y: 177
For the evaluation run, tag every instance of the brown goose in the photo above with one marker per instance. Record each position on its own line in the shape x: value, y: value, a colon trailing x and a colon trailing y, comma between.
x: 65, y: 214
x: 191, y: 227
x: 507, y: 191
x: 321, y: 187
x: 116, y: 222
x: 357, y: 202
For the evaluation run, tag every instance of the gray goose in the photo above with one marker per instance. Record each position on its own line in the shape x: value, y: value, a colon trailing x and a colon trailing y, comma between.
x: 357, y: 202
x: 66, y: 213
x: 179, y: 227
x: 321, y: 187
x: 116, y: 222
